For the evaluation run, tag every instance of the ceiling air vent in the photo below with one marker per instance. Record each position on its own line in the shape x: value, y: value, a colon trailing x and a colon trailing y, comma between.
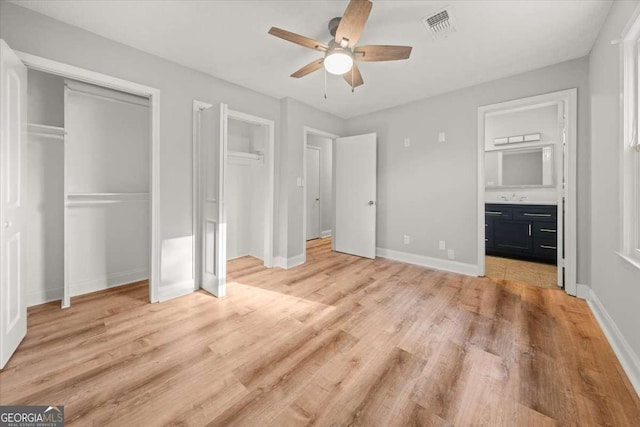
x: 440, y: 23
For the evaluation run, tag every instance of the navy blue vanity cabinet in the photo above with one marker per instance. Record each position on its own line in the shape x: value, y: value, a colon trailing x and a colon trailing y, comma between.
x: 521, y: 231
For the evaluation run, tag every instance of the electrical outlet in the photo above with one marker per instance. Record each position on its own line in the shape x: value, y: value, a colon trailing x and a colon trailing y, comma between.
x: 442, y: 245
x: 407, y: 142
x: 407, y: 239
x: 442, y: 137
x: 451, y: 254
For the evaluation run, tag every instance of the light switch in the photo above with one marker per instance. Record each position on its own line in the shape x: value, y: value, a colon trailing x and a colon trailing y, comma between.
x: 407, y: 239
x: 299, y: 182
x: 407, y: 142
x: 441, y: 137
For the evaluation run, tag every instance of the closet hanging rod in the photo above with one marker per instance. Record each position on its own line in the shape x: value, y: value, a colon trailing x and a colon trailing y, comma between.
x: 144, y: 103
x: 106, y: 197
x: 78, y: 203
x: 48, y: 135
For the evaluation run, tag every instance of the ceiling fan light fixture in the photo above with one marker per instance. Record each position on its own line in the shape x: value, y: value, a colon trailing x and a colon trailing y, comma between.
x: 338, y: 61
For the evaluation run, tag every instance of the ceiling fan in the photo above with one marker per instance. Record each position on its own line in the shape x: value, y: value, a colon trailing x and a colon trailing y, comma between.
x: 341, y: 53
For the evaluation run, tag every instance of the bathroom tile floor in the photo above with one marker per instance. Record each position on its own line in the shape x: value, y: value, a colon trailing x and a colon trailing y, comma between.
x: 527, y: 272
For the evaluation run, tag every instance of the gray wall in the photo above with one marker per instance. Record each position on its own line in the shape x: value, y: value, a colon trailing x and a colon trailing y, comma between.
x: 614, y: 281
x: 429, y: 190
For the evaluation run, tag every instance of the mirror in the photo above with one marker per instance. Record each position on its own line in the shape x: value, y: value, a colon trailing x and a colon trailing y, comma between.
x: 520, y: 167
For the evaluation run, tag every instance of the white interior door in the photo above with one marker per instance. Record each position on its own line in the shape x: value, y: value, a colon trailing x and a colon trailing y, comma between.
x: 313, y: 193
x: 355, y: 164
x: 213, y: 146
x: 13, y: 144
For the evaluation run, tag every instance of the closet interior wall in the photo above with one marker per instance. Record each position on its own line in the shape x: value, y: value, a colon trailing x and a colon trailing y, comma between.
x: 246, y: 188
x: 45, y: 188
x: 88, y: 178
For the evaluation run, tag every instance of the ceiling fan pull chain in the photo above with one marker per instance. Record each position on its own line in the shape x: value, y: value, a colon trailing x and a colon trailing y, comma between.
x: 325, y: 84
x: 353, y: 89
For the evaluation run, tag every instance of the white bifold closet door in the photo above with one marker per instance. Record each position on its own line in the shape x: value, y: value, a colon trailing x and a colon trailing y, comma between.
x: 107, y: 161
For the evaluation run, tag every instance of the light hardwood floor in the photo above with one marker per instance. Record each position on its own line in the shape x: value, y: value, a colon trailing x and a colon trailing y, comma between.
x: 339, y: 341
x: 526, y: 272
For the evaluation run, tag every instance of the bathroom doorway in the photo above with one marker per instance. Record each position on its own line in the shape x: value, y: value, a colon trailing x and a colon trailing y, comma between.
x: 526, y: 221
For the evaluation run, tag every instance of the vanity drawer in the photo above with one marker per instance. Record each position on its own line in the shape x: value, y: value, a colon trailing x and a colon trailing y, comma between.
x: 547, y: 230
x: 488, y: 233
x: 545, y: 247
x: 498, y: 211
x: 535, y: 213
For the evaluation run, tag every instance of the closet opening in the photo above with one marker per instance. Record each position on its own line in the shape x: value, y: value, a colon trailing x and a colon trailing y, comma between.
x: 248, y: 189
x: 91, y: 164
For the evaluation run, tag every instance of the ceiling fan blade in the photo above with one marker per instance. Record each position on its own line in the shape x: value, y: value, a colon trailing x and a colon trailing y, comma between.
x: 309, y: 68
x: 353, y: 77
x: 376, y: 53
x: 298, y: 39
x: 352, y: 22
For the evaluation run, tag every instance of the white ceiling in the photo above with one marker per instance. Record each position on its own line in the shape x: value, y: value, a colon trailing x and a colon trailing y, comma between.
x: 228, y: 39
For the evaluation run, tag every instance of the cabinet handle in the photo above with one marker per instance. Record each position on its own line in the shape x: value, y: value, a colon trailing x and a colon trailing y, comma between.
x: 547, y: 247
x: 535, y: 214
x: 492, y: 213
x: 529, y: 230
x: 548, y: 230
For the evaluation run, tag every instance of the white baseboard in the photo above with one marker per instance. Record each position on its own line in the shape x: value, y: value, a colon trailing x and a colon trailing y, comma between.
x: 109, y: 281
x: 425, y: 261
x: 326, y: 233
x: 627, y: 357
x: 287, y: 263
x: 46, y: 295
x: 583, y: 291
x: 175, y: 290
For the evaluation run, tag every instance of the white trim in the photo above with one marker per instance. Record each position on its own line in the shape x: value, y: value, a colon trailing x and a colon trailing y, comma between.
x: 197, y: 107
x: 104, y: 80
x: 270, y: 159
x: 286, y: 263
x: 429, y: 262
x: 633, y: 260
x: 629, y: 187
x: 306, y: 131
x: 569, y: 97
x: 583, y: 291
x: 43, y: 296
x: 108, y: 281
x: 326, y: 233
x: 626, y: 356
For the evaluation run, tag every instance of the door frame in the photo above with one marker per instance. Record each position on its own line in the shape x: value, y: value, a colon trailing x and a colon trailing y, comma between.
x: 50, y: 66
x: 306, y: 132
x: 570, y: 99
x: 198, y: 185
x: 312, y: 147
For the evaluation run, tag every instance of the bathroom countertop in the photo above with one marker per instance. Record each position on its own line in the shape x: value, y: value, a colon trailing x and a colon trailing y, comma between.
x: 519, y: 202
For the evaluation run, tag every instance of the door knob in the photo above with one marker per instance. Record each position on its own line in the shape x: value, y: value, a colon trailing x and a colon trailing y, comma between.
x: 318, y: 199
x: 7, y: 224
x: 371, y: 203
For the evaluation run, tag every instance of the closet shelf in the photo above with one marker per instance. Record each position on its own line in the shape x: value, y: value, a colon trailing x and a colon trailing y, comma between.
x: 46, y: 131
x: 244, y: 157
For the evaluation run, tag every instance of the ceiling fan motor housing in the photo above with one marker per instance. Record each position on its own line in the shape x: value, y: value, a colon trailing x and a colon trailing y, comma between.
x: 333, y: 25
